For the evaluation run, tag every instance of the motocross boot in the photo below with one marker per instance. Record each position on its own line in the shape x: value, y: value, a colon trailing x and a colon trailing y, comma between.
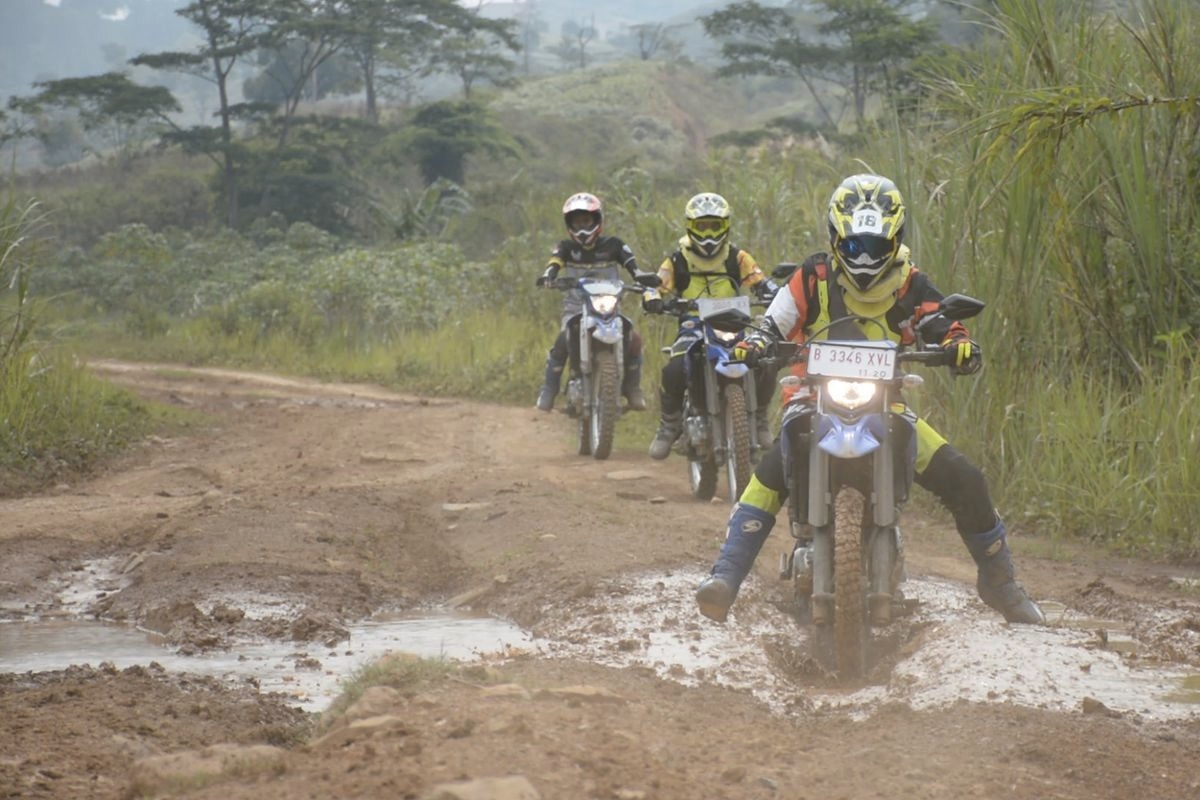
x: 744, y: 537
x: 631, y: 385
x: 550, y: 385
x: 763, y: 427
x: 996, y: 583
x: 670, y: 426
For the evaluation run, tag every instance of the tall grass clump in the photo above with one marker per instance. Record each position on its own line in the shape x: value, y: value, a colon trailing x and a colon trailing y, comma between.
x: 1053, y: 173
x: 55, y: 419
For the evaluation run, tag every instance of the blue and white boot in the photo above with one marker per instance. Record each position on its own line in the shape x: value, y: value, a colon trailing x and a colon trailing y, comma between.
x: 744, y: 537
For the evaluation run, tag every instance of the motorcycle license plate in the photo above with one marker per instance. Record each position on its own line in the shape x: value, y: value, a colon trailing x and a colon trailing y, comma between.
x: 711, y: 306
x: 871, y: 360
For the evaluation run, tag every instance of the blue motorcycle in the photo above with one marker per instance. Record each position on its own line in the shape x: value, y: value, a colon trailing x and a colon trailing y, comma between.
x: 720, y: 406
x: 845, y: 420
x: 597, y: 358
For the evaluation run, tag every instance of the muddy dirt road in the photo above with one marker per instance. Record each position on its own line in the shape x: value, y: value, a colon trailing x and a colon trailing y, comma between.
x: 304, y: 510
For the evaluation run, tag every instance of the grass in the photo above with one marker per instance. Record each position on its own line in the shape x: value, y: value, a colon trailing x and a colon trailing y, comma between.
x: 401, y: 671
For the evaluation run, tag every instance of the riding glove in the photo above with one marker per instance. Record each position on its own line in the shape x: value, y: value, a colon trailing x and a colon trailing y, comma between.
x: 967, y: 355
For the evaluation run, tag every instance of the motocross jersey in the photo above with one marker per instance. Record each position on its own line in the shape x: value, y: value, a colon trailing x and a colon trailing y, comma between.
x: 603, y: 260
x: 811, y: 301
x: 690, y: 276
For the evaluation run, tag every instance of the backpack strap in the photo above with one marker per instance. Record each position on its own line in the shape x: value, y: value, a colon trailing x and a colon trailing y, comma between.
x: 683, y: 275
x: 732, y: 267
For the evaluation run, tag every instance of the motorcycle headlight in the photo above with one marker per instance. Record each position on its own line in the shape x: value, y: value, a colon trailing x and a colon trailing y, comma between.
x: 604, y: 303
x: 727, y: 337
x: 850, y: 394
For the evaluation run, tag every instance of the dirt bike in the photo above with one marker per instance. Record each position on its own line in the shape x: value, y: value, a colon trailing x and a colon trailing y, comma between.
x: 597, y: 358
x: 720, y: 404
x: 848, y: 560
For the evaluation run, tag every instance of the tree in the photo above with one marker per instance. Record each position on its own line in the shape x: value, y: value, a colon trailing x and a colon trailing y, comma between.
x: 575, y: 39
x: 231, y: 30
x: 648, y: 38
x: 403, y: 37
x: 443, y: 134
x: 531, y: 26
x: 867, y: 44
x: 474, y: 53
x: 110, y: 105
x: 337, y: 75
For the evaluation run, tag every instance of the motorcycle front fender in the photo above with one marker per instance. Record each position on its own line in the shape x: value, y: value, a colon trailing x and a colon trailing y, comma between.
x: 609, y: 331
x: 842, y: 439
x: 732, y: 369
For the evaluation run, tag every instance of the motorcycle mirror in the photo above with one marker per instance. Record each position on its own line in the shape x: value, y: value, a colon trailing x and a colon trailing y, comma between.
x: 960, y: 306
x: 783, y: 271
x: 956, y: 307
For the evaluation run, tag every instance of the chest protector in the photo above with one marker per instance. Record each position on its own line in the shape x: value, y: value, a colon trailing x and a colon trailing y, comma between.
x: 691, y: 282
x: 831, y: 305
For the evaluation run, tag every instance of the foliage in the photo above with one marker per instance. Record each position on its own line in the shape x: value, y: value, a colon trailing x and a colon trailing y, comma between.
x: 866, y: 45
x: 230, y: 31
x: 314, y: 177
x: 111, y: 103
x: 1052, y: 175
x: 55, y: 419
x: 443, y: 134
x: 397, y: 670
x: 58, y: 420
x: 19, y: 224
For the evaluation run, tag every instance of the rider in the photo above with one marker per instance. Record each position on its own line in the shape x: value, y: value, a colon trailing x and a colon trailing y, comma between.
x: 870, y: 276
x: 706, y: 264
x: 589, y: 254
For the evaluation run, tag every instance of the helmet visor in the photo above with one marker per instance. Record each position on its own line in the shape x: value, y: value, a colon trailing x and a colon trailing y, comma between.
x: 582, y: 221
x: 866, y: 253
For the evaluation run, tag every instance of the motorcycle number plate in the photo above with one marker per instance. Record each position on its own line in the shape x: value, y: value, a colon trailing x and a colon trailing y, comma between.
x: 711, y: 306
x: 869, y: 360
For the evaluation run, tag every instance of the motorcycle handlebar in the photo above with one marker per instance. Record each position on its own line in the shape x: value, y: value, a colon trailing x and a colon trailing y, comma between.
x: 567, y: 284
x: 681, y: 307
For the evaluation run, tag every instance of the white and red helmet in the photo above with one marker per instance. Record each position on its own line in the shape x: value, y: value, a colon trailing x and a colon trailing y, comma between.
x: 584, y: 217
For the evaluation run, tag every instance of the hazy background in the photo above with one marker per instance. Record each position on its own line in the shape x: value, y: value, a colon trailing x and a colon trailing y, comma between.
x: 52, y: 39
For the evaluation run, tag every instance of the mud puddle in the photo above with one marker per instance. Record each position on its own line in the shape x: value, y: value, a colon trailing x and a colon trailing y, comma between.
x: 960, y: 651
x: 952, y: 649
x: 311, y: 675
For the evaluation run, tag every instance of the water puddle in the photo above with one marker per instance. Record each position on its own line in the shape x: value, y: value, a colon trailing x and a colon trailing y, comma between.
x: 965, y: 653
x: 311, y: 675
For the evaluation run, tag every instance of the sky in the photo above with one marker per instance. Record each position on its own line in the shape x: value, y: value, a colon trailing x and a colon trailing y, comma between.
x: 118, y: 14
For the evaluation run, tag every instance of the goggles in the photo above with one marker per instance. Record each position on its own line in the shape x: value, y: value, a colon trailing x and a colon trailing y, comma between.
x: 866, y: 251
x: 582, y: 220
x: 709, y: 225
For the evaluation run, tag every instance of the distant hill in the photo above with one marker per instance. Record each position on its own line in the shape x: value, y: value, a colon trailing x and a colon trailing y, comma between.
x: 39, y: 41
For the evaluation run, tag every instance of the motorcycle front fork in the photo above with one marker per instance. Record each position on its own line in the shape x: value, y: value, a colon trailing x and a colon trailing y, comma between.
x: 809, y: 566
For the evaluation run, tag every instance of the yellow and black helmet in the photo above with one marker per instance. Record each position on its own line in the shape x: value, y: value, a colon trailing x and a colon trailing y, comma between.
x: 866, y: 228
x: 707, y: 223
